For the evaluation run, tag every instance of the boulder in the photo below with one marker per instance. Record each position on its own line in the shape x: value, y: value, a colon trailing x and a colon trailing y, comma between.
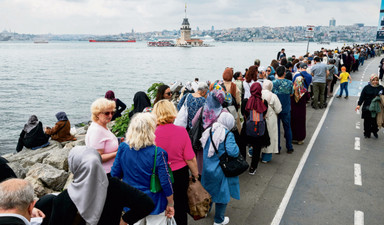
x: 49, y: 176
x: 19, y: 169
x: 38, y: 187
x: 69, y: 181
x: 58, y: 158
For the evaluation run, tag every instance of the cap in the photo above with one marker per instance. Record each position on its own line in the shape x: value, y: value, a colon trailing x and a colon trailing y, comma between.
x: 303, y: 66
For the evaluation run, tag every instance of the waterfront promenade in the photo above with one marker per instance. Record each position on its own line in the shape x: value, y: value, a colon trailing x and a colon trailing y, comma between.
x: 328, y: 189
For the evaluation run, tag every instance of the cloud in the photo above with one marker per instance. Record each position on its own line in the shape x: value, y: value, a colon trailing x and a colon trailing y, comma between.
x: 119, y: 16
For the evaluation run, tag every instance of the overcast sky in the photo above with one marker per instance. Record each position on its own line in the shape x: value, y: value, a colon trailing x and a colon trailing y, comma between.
x: 121, y: 16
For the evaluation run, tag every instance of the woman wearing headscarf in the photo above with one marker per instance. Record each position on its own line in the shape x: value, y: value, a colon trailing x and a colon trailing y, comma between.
x: 368, y: 93
x: 99, y: 136
x: 6, y: 172
x: 93, y: 198
x: 61, y: 131
x: 32, y: 136
x: 220, y: 187
x: 120, y: 106
x: 299, y: 110
x: 234, y: 91
x: 210, y: 112
x: 175, y: 140
x: 274, y: 108
x: 140, y: 102
x: 134, y: 164
x: 255, y: 102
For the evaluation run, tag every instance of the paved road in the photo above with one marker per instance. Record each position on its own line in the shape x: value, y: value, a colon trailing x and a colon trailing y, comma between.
x: 342, y: 181
x: 327, y: 177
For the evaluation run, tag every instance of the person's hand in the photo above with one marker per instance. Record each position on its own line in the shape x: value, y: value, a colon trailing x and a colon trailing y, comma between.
x: 169, y: 211
x: 350, y: 81
x: 37, y: 213
x: 357, y: 108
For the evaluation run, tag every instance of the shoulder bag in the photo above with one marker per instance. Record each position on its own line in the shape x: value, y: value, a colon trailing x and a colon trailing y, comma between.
x: 231, y: 166
x: 155, y: 185
x: 196, y: 132
x: 182, y: 115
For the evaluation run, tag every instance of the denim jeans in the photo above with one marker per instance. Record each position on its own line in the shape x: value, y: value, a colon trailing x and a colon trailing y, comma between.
x: 286, y: 119
x: 220, y: 212
x: 344, y: 86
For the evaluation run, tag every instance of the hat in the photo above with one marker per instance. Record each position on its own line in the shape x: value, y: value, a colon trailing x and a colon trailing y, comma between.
x: 303, y: 65
x: 261, y: 69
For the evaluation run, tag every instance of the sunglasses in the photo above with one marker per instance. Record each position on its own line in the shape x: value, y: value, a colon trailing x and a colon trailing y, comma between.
x: 268, y: 70
x: 109, y: 113
x: 168, y: 93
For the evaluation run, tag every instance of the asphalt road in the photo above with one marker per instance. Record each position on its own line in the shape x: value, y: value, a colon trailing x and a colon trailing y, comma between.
x: 325, y: 192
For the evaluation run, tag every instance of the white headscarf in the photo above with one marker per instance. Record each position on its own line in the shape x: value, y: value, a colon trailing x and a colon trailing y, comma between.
x: 88, y: 190
x: 224, y: 122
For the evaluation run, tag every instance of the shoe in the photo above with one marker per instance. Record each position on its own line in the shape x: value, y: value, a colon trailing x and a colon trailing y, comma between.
x: 252, y: 171
x: 339, y: 96
x: 346, y: 97
x: 226, y: 221
x: 294, y: 141
x: 315, y: 107
x: 300, y: 142
x: 367, y: 136
x: 290, y: 151
x: 376, y: 135
x: 265, y: 162
x: 250, y: 152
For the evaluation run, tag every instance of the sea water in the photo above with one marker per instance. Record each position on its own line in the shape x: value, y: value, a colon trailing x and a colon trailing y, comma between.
x: 44, y: 79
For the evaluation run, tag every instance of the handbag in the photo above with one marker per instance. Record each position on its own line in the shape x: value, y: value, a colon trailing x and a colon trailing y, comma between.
x: 231, y: 166
x: 199, y: 200
x: 171, y: 221
x: 196, y: 132
x: 155, y: 185
x: 182, y: 115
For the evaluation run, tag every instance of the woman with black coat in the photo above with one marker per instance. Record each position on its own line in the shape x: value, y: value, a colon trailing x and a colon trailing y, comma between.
x: 32, y: 135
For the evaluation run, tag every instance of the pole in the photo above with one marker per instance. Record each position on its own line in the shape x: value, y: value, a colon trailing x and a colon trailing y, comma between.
x: 307, y: 46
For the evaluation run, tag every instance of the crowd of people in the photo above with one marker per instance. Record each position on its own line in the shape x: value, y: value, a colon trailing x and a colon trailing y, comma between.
x: 238, y: 115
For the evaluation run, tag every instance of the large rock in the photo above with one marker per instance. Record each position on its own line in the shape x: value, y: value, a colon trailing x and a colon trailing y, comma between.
x: 28, y: 153
x: 58, y: 158
x: 49, y: 176
x: 38, y: 187
x: 19, y: 169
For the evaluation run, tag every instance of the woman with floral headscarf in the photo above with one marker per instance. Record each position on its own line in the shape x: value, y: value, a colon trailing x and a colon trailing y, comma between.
x: 368, y: 93
x: 210, y: 112
x: 299, y: 110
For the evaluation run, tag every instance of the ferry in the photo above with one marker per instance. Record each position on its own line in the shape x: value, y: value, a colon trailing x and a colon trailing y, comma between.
x: 112, y: 40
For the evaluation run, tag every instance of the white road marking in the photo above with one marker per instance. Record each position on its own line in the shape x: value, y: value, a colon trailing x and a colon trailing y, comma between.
x: 283, y: 205
x: 358, y: 180
x: 357, y: 127
x: 357, y: 141
x: 361, y: 80
x: 359, y: 218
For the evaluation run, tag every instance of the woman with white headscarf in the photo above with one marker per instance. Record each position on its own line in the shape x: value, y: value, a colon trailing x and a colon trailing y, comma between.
x: 93, y: 198
x: 220, y: 187
x: 274, y: 108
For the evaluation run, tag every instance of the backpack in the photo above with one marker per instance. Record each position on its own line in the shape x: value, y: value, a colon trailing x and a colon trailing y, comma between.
x: 196, y: 132
x: 255, y: 124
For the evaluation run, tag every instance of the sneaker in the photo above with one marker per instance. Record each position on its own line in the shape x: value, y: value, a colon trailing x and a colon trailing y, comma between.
x: 265, y: 162
x: 250, y: 152
x: 252, y: 171
x: 300, y: 142
x: 346, y: 97
x: 290, y: 151
x: 226, y: 221
x: 339, y: 96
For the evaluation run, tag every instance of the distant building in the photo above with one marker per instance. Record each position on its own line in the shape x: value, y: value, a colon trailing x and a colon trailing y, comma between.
x: 359, y: 24
x: 212, y: 28
x: 332, y: 22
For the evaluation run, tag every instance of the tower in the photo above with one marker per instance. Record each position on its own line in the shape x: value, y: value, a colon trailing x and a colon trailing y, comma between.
x: 185, y: 31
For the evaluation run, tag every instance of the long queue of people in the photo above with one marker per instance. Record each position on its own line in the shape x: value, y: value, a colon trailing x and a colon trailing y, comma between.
x: 235, y: 114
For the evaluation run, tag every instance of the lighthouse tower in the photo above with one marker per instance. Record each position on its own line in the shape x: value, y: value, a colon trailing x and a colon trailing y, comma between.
x: 185, y: 34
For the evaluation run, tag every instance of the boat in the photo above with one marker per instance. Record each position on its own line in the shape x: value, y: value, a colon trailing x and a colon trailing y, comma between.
x: 112, y: 40
x: 324, y: 42
x: 6, y: 38
x: 40, y: 42
x: 160, y: 44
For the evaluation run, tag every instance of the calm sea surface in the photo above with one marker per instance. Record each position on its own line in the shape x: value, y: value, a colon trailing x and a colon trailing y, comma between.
x: 43, y: 79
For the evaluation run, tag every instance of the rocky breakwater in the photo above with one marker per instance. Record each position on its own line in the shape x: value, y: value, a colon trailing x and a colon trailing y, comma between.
x: 46, y: 168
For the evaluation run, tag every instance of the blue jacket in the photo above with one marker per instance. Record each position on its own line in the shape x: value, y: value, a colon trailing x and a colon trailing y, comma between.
x: 220, y: 187
x: 135, y: 167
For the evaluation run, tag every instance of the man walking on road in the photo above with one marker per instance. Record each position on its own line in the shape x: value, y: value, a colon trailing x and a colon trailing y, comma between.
x: 283, y: 88
x: 319, y: 73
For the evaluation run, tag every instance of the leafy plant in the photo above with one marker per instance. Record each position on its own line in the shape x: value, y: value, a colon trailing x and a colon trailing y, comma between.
x: 152, y: 90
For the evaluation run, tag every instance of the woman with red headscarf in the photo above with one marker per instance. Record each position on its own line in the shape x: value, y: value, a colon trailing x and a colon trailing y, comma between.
x: 120, y: 106
x: 255, y: 102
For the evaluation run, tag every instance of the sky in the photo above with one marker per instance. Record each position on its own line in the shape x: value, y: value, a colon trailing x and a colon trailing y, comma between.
x: 121, y: 16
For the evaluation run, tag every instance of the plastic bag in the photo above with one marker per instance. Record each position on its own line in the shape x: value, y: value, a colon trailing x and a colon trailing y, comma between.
x: 171, y: 221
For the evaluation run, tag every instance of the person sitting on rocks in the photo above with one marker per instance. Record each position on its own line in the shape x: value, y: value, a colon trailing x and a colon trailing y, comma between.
x: 32, y: 136
x: 92, y: 197
x: 61, y: 131
x: 17, y: 203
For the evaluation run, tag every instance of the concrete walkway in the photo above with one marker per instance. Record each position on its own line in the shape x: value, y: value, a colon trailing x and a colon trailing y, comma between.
x: 262, y: 193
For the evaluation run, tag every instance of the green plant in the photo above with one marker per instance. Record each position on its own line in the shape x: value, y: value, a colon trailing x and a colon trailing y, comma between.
x: 152, y: 90
x: 121, y: 123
